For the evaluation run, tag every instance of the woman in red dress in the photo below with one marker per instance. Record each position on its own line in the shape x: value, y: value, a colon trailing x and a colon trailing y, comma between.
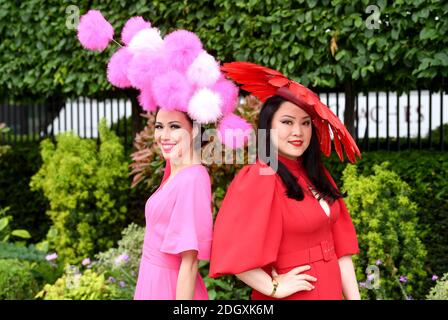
x: 283, y: 227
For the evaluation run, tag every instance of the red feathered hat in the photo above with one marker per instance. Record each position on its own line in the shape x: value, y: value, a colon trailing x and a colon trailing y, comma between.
x: 264, y: 83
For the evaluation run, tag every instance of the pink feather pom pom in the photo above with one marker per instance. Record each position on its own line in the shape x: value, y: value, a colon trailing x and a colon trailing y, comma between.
x: 146, y: 39
x: 205, y: 106
x: 145, y: 66
x: 131, y: 27
x: 204, y: 71
x: 182, y: 47
x: 234, y: 131
x: 228, y: 93
x: 146, y: 100
x: 172, y: 91
x: 94, y: 31
x: 117, y: 68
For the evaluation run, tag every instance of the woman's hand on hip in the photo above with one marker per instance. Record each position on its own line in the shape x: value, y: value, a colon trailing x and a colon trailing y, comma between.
x: 293, y: 281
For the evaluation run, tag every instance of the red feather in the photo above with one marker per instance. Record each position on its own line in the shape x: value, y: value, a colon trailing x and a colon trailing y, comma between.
x: 264, y: 82
x: 337, y: 145
x: 324, y: 134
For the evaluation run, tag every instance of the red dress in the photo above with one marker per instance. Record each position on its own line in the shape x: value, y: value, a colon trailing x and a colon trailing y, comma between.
x: 258, y: 226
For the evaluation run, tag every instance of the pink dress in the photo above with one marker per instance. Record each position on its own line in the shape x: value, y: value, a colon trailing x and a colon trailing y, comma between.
x: 178, y: 218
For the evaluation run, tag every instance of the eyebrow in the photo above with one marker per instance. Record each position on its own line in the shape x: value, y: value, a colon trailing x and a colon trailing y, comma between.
x: 171, y: 122
x: 305, y: 117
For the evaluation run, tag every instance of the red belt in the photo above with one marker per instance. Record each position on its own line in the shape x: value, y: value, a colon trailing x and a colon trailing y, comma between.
x: 323, y: 251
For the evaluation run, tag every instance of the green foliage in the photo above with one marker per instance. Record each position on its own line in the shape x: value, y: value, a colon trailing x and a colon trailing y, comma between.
x: 76, y: 286
x: 12, y: 251
x: 425, y: 172
x: 112, y: 275
x: 224, y: 288
x: 435, y: 134
x: 86, y: 189
x: 121, y: 264
x: 3, y: 148
x: 440, y: 290
x: 27, y: 208
x: 386, y: 222
x: 16, y: 280
x: 42, y: 270
x: 5, y: 230
x: 320, y: 43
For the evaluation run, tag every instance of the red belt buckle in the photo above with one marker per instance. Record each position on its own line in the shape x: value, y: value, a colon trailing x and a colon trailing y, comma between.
x: 327, y: 250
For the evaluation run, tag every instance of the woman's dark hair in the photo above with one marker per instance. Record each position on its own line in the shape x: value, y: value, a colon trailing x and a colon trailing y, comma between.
x: 311, y: 159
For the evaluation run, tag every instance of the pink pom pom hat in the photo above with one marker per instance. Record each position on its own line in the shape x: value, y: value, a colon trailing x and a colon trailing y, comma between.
x: 171, y: 73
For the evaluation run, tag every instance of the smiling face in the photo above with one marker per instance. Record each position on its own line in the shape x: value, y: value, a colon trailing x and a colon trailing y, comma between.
x: 173, y: 134
x: 294, y: 129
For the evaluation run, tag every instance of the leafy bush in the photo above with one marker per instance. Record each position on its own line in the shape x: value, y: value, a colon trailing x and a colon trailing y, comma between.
x: 27, y: 207
x: 4, y: 149
x: 16, y: 280
x: 43, y: 271
x: 386, y: 222
x: 120, y: 265
x: 86, y: 188
x: 435, y: 134
x: 76, y: 286
x: 12, y: 251
x: 440, y: 290
x: 5, y: 230
x: 112, y: 275
x: 224, y: 288
x: 425, y: 172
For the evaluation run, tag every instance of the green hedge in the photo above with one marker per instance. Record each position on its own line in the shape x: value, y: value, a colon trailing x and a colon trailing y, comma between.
x: 426, y: 173
x: 16, y: 280
x: 27, y: 207
x: 387, y: 224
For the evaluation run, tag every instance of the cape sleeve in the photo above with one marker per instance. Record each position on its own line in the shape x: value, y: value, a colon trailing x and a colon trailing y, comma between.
x: 248, y: 226
x: 191, y: 222
x: 344, y: 233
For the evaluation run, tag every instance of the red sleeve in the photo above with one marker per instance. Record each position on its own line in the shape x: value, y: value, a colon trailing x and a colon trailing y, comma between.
x: 248, y: 226
x: 344, y: 233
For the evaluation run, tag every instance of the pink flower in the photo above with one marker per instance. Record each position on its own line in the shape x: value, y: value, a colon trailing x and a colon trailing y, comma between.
x: 434, y: 277
x: 122, y: 258
x: 51, y: 257
x: 94, y: 31
x: 403, y: 279
x: 86, y: 261
x: 379, y: 262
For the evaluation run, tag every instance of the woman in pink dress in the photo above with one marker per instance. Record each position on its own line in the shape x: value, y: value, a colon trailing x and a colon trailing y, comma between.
x: 179, y: 219
x: 179, y: 80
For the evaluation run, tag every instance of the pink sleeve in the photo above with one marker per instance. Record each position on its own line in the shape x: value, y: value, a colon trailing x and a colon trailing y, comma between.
x: 191, y: 223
